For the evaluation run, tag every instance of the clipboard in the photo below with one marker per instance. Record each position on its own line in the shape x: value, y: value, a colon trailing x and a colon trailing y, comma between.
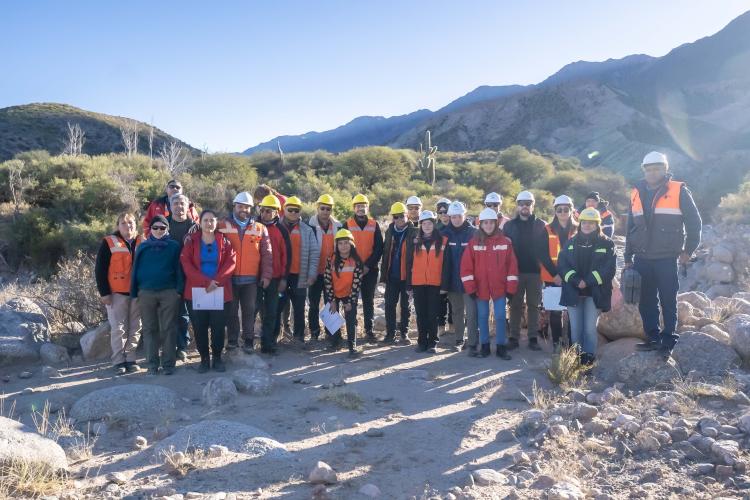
x: 333, y: 321
x: 551, y: 296
x: 213, y: 301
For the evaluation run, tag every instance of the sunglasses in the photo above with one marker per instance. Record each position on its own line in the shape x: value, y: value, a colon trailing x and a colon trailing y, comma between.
x: 324, y: 209
x: 158, y: 228
x: 562, y: 210
x: 174, y: 186
x: 293, y: 210
x: 397, y: 217
x: 442, y: 212
x: 525, y: 203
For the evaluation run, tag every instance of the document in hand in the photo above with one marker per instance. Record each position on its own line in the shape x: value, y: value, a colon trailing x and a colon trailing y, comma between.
x: 333, y: 321
x: 551, y: 298
x: 203, y: 301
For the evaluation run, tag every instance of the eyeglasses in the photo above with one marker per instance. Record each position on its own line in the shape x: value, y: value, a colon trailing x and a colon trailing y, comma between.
x: 562, y: 210
x: 174, y: 186
x: 399, y: 216
x: 525, y: 203
x: 491, y: 205
x: 324, y: 209
x: 158, y: 228
x: 442, y: 212
x: 293, y: 210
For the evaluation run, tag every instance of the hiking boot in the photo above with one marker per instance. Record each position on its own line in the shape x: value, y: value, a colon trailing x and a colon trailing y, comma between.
x: 248, y: 348
x: 649, y: 345
x: 485, y: 351
x: 390, y: 338
x: 231, y: 346
x: 354, y: 353
x: 132, y: 367
x: 421, y: 348
x: 534, y: 345
x: 152, y: 371
x: 121, y: 369
x: 512, y: 344
x: 182, y: 355
x: 204, y: 366
x: 219, y: 365
x: 169, y: 370
x: 665, y: 352
x: 502, y: 352
x: 370, y: 338
x: 473, y: 353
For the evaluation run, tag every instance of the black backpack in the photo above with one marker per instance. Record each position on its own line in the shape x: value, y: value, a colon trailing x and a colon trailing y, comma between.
x: 631, y: 286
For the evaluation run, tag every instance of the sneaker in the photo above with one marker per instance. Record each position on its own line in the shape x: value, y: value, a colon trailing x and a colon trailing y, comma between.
x: 219, y: 365
x: 485, y: 351
x: 534, y: 345
x: 502, y: 352
x: 459, y: 342
x: 132, y: 367
x: 182, y: 355
x: 121, y: 369
x: 204, y: 366
x: 169, y: 370
x: 512, y: 344
x: 649, y: 345
x: 390, y: 338
x: 421, y: 348
x: 231, y: 346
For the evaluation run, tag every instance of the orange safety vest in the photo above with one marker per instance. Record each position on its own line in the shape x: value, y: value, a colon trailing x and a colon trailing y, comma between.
x: 427, y: 266
x: 247, y: 248
x: 327, y: 245
x: 554, y: 252
x: 120, y: 264
x: 344, y: 279
x: 364, y: 239
x: 295, y: 238
x: 666, y: 205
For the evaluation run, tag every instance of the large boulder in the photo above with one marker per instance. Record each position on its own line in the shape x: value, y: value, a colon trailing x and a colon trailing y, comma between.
x: 54, y: 355
x: 23, y: 330
x: 133, y: 402
x: 619, y: 361
x: 698, y: 300
x: 96, y: 343
x: 238, y: 438
x: 721, y: 290
x: 704, y: 354
x: 249, y: 381
x: 219, y: 391
x: 20, y: 442
x: 718, y: 272
x: 738, y: 328
x: 622, y: 321
x: 718, y: 333
x: 722, y: 253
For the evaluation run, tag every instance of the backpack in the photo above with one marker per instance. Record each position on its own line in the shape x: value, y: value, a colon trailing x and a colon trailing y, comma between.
x: 631, y: 286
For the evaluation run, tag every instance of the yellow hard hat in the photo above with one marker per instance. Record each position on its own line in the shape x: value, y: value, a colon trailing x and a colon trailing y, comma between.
x: 398, y: 208
x: 325, y: 199
x: 591, y: 215
x: 271, y: 201
x: 293, y: 201
x: 360, y: 198
x: 344, y: 234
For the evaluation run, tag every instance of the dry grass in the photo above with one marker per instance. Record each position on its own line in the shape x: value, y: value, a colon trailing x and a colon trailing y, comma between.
x: 7, y: 411
x: 541, y: 399
x: 20, y: 478
x: 344, y: 398
x: 721, y: 314
x: 565, y: 369
x: 82, y: 445
x: 571, y: 457
x: 727, y: 389
x: 179, y: 463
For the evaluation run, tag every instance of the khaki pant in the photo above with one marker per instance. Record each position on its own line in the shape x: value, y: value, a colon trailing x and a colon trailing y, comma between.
x: 469, y: 309
x: 124, y: 317
x: 530, y: 286
x: 159, y: 314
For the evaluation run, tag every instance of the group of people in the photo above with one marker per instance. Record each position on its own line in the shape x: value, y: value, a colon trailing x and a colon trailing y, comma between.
x: 268, y: 261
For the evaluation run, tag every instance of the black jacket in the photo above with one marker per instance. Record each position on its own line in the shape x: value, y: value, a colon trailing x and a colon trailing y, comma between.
x: 385, y: 268
x: 540, y: 247
x: 598, y: 280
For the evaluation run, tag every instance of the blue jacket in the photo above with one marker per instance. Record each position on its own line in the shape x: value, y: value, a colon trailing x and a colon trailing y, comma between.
x: 458, y: 239
x: 156, y: 266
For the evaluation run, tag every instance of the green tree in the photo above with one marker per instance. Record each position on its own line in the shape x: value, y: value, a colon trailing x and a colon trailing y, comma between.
x: 524, y: 165
x: 374, y: 165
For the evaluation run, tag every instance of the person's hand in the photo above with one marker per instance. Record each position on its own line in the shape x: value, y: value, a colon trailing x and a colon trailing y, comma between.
x: 212, y: 286
x: 581, y: 284
x: 684, y: 258
x: 334, y: 306
x: 106, y: 300
x: 282, y: 286
x: 557, y: 280
x: 365, y: 270
x: 264, y: 282
x: 347, y: 307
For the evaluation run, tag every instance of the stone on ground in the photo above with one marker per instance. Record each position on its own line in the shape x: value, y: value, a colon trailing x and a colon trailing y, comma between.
x: 250, y: 361
x: 704, y: 354
x: 219, y: 391
x: 22, y: 332
x: 21, y: 442
x: 95, y: 344
x: 252, y: 381
x: 54, y: 355
x: 486, y: 477
x: 622, y: 321
x: 618, y: 361
x: 125, y: 402
x: 738, y: 328
x: 322, y: 473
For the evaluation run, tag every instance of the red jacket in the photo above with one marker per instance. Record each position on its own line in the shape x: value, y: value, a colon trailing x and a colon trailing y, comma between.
x: 280, y: 249
x: 160, y: 206
x: 490, y: 269
x: 190, y: 258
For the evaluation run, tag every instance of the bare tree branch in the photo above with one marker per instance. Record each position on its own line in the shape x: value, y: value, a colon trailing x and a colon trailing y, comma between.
x: 129, y: 133
x: 75, y: 140
x: 174, y: 157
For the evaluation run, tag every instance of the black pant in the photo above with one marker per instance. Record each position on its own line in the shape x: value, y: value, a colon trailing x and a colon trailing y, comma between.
x: 313, y: 314
x: 427, y: 306
x: 244, y: 298
x: 267, y: 305
x: 369, y: 283
x: 445, y: 311
x: 556, y: 326
x: 202, y: 322
x: 351, y: 327
x: 395, y: 292
x: 297, y: 298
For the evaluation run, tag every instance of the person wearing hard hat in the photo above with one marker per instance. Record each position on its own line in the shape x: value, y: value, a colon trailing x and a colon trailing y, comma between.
x: 181, y: 225
x: 250, y: 241
x: 664, y: 228
x: 281, y: 250
x: 303, y: 268
x: 393, y: 273
x: 413, y: 209
x: 489, y: 273
x: 369, y: 242
x: 459, y: 232
x: 263, y: 190
x: 343, y: 279
x: 445, y: 317
x: 559, y: 231
x: 494, y: 201
x: 441, y: 209
x: 161, y: 206
x: 427, y: 274
x: 594, y: 200
x: 588, y: 265
x: 530, y: 245
x: 325, y: 226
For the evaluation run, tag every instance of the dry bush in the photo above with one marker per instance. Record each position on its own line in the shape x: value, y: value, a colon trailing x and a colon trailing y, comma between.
x: 541, y: 399
x: 21, y: 478
x: 727, y: 389
x: 565, y: 369
x: 344, y: 398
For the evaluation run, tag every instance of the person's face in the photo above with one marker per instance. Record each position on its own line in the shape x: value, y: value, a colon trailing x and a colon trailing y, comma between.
x: 360, y: 209
x: 654, y: 173
x: 413, y: 211
x: 493, y: 206
x: 344, y: 246
x: 588, y: 227
x: 291, y: 213
x: 591, y: 203
x: 127, y: 228
x: 563, y: 213
x: 179, y: 208
x: 173, y: 188
x: 488, y: 226
x: 267, y: 214
x: 525, y: 208
x: 324, y: 212
x: 158, y: 230
x: 242, y: 211
x: 208, y: 222
x: 457, y: 220
x: 442, y: 214
x: 427, y: 227
x: 399, y: 220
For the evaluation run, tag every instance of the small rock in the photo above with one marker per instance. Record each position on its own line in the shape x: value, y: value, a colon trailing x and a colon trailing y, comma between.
x: 690, y: 451
x: 322, y: 473
x: 702, y: 469
x: 217, y: 450
x: 727, y: 451
x: 117, y: 478
x: 24, y: 375
x: 585, y: 412
x: 219, y: 391
x: 565, y: 491
x: 374, y: 432
x: 710, y: 432
x: 50, y: 372
x: 486, y: 477
x: 724, y: 471
x: 370, y: 490
x: 596, y: 427
x: 140, y: 442
x: 27, y: 391
x: 679, y: 434
x: 558, y: 431
x: 543, y: 482
x: 112, y: 488
x: 648, y: 443
x: 521, y: 458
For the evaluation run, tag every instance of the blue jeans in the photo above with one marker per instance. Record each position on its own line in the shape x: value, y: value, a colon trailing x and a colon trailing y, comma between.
x: 182, y: 323
x: 659, y: 285
x: 483, y: 318
x: 583, y: 324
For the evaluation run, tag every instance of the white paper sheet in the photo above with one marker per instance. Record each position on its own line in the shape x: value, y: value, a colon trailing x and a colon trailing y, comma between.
x: 203, y: 301
x: 551, y: 298
x: 333, y: 321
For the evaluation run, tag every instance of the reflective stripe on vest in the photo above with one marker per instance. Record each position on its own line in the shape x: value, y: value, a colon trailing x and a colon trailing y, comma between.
x: 667, y: 204
x: 344, y: 279
x: 120, y: 264
x: 247, y: 248
x: 427, y: 266
x: 296, y: 239
x: 364, y: 238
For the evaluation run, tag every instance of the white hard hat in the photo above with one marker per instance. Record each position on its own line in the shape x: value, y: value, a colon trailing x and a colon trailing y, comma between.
x: 414, y: 200
x: 525, y: 196
x: 487, y: 214
x: 456, y: 208
x: 564, y: 199
x: 427, y: 215
x: 244, y: 198
x: 443, y: 201
x: 493, y: 197
x: 655, y: 157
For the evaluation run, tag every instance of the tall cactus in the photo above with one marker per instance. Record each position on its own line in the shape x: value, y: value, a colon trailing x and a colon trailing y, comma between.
x: 427, y: 160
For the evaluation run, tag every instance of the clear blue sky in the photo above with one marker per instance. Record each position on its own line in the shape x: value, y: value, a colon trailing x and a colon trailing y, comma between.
x: 229, y: 74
